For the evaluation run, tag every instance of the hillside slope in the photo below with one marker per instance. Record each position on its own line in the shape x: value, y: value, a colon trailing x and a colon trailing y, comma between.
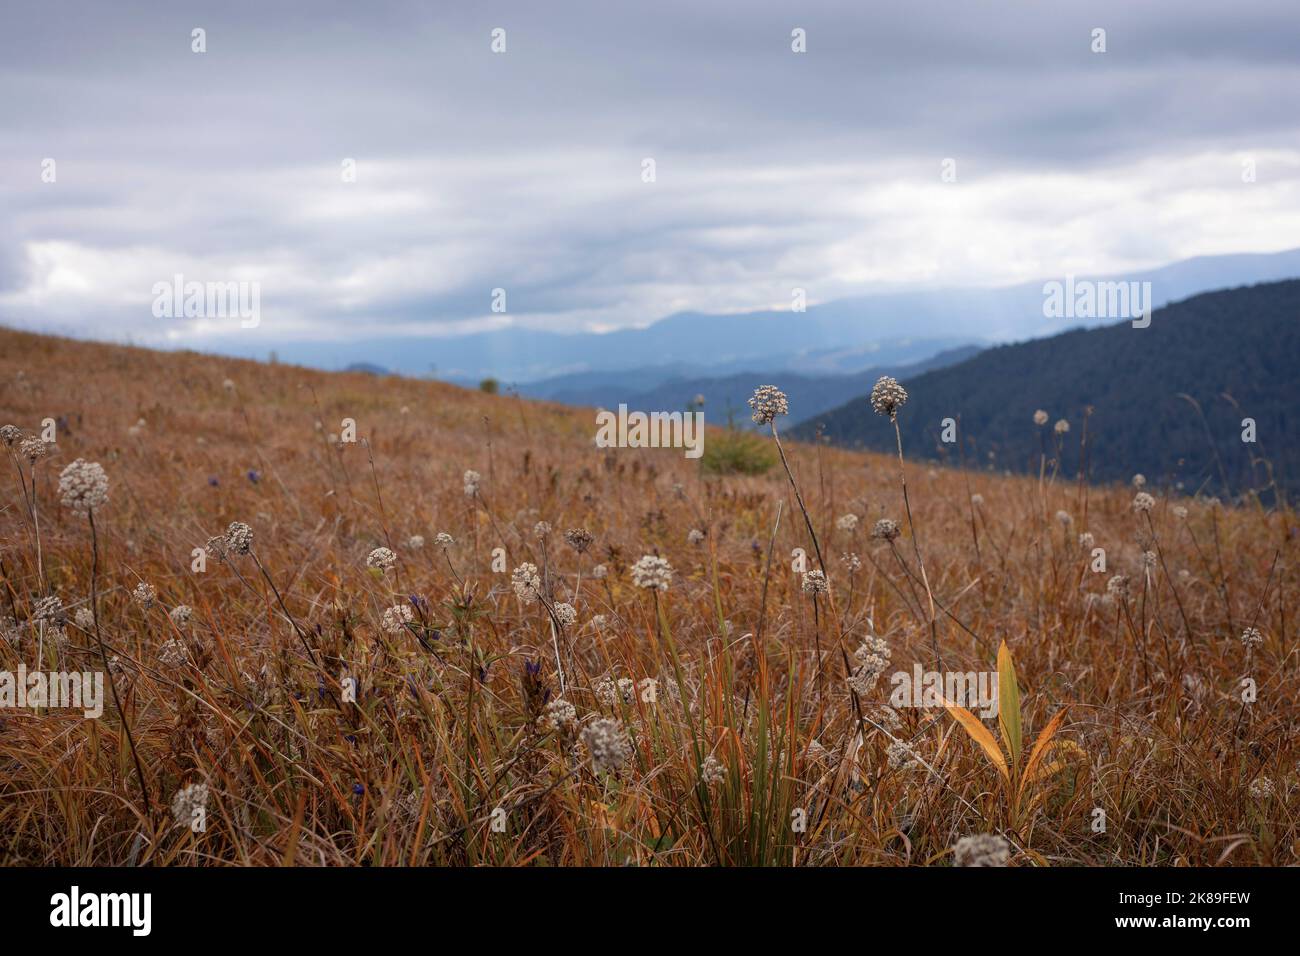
x: 353, y: 654
x: 1234, y: 353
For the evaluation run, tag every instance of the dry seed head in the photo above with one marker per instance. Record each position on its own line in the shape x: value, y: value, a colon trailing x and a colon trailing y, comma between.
x: 768, y: 402
x: 381, y: 559
x: 579, y: 539
x: 526, y: 583
x: 239, y: 538
x: 396, y: 618
x: 607, y: 744
x: 144, y: 595
x: 887, y: 397
x: 652, y: 572
x: 886, y: 529
x: 984, y: 849
x: 83, y: 485
x: 814, y: 582
x: 566, y: 614
x: 187, y: 800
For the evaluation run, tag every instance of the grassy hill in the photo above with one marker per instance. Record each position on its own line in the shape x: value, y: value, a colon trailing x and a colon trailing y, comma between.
x: 348, y: 687
x: 1166, y: 401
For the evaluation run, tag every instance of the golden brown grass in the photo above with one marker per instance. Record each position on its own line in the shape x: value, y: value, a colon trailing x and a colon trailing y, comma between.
x: 1152, y: 728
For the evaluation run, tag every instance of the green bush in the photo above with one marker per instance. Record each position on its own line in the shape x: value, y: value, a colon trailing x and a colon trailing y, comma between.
x: 736, y: 452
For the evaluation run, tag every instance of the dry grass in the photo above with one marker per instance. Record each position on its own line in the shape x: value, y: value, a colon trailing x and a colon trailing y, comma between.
x: 446, y: 727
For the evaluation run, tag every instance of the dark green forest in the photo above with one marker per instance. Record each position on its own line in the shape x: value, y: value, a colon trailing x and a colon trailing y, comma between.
x: 1166, y: 401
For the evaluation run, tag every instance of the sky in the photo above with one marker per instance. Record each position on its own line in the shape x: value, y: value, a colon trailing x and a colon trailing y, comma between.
x: 524, y: 170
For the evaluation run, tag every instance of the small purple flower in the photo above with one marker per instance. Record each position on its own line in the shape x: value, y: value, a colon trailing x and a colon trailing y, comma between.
x: 213, y: 481
x: 254, y: 475
x: 358, y: 789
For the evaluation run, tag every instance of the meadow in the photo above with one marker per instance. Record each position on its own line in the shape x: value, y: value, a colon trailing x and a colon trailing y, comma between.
x: 472, y: 637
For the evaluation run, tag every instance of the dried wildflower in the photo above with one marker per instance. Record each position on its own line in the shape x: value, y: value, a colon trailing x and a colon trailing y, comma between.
x: 1139, y: 480
x: 218, y: 547
x: 239, y: 538
x: 901, y: 756
x: 847, y: 522
x: 559, y: 716
x: 526, y: 583
x: 652, y: 572
x: 1180, y: 512
x: 984, y: 849
x: 626, y: 689
x: 1261, y: 788
x: 814, y: 582
x: 189, y: 801
x: 599, y: 621
x: 607, y: 744
x: 712, y: 771
x: 173, y: 653
x: 10, y: 434
x: 1143, y: 502
x: 605, y: 691
x: 1251, y: 637
x: 396, y: 618
x: 851, y: 562
x: 1149, y: 559
x: 872, y: 657
x: 415, y: 542
x: 32, y: 449
x: 977, y: 499
x: 599, y: 572
x: 381, y: 559
x: 886, y: 717
x: 768, y: 402
x: 1086, y: 539
x: 181, y: 614
x: 1040, y: 417
x: 579, y: 539
x: 472, y: 480
x: 566, y: 614
x: 443, y: 540
x: 1064, y: 518
x: 144, y: 595
x: 1118, y: 586
x: 887, y: 397
x: 83, y: 486
x: 695, y: 536
x: 84, y: 618
x: 886, y: 529
x: 50, y: 610
x: 542, y: 530
x: 1061, y: 426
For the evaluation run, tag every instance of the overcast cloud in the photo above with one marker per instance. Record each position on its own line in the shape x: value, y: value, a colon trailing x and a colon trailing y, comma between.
x: 523, y: 170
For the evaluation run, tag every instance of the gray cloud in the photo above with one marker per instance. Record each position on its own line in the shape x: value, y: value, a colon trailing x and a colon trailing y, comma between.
x: 522, y: 171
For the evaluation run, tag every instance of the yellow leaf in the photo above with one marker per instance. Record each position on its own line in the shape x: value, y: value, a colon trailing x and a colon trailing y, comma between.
x: 980, y: 734
x: 1009, y: 704
x: 1043, y: 744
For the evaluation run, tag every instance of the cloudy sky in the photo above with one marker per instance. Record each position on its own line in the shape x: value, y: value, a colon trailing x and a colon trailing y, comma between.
x: 523, y: 170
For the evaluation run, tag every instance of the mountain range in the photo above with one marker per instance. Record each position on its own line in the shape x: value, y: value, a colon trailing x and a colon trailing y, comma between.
x: 831, y: 338
x: 1169, y: 401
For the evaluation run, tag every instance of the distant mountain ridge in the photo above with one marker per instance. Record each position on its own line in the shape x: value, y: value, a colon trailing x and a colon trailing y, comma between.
x: 1234, y: 353
x: 809, y: 394
x: 836, y: 337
